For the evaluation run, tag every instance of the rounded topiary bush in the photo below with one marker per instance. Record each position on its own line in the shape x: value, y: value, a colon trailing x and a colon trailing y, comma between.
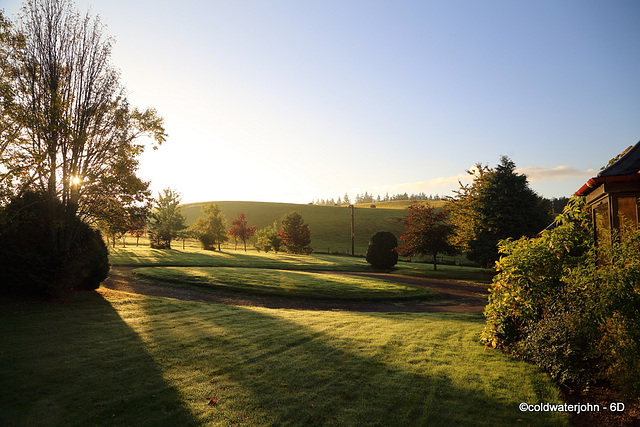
x: 88, y: 264
x: 32, y: 261
x: 381, y: 251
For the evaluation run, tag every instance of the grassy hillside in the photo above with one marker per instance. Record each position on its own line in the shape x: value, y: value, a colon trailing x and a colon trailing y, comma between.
x: 330, y: 225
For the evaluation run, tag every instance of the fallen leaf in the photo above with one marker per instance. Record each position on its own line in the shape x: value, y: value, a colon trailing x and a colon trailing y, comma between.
x: 212, y: 402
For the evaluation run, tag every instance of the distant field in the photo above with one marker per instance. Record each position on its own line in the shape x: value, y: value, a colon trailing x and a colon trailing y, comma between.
x: 330, y: 225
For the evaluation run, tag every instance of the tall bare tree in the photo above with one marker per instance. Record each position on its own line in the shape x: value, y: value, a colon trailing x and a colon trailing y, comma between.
x: 79, y: 136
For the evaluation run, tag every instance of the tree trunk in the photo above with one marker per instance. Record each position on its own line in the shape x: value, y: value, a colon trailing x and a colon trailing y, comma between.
x: 435, y: 262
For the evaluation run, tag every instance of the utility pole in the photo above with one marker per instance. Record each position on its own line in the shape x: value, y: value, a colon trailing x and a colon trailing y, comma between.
x: 353, y: 252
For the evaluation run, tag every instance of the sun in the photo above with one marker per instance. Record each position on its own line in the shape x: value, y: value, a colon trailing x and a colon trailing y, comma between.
x: 75, y: 180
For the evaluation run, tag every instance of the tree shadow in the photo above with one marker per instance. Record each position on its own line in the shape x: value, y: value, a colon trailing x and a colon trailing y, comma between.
x: 74, y: 361
x: 262, y: 364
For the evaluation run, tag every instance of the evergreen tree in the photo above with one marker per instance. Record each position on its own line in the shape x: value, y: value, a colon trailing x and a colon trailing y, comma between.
x: 381, y: 251
x: 295, y: 234
x: 498, y: 204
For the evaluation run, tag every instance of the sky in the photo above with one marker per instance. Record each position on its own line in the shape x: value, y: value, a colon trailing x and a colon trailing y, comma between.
x: 297, y: 100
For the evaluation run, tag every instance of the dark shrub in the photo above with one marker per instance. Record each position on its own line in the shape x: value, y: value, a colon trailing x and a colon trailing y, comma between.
x: 160, y: 239
x: 32, y: 261
x: 89, y: 262
x: 565, y: 341
x: 381, y: 251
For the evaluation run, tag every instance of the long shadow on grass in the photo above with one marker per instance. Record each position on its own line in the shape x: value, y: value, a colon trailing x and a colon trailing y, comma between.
x: 188, y: 258
x: 78, y: 363
x: 265, y: 367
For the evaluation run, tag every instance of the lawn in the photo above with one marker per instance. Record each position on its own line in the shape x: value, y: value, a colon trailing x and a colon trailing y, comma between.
x: 287, y: 284
x: 191, y: 257
x: 113, y: 358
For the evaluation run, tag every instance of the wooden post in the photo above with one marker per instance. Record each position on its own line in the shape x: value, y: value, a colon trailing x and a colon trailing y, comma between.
x: 352, y: 231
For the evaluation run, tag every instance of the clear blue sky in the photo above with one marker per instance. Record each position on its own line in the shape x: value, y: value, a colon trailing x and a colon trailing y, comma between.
x: 291, y: 101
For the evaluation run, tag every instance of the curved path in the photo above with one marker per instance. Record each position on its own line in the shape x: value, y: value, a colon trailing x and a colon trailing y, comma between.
x: 456, y: 297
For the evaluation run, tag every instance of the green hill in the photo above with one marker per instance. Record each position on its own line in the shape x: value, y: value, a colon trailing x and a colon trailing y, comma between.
x: 330, y: 225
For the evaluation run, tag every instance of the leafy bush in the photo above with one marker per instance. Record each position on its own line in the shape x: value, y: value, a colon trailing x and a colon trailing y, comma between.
x: 268, y: 239
x: 381, y: 252
x: 551, y: 303
x: 564, y: 341
x: 33, y: 262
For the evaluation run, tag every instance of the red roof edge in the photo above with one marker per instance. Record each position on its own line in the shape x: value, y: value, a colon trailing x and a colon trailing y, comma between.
x: 587, y: 188
x: 593, y: 183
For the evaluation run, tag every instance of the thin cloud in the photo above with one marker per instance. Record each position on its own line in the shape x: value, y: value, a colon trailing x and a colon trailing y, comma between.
x: 440, y: 185
x: 447, y: 184
x: 557, y: 173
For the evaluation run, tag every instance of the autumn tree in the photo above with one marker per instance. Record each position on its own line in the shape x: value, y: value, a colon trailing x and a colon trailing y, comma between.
x: 241, y: 230
x: 166, y: 220
x: 210, y: 228
x: 428, y: 232
x: 137, y: 221
x: 498, y: 204
x: 295, y: 234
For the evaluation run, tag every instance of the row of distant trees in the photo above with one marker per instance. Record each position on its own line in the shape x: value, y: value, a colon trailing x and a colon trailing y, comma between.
x: 369, y: 198
x: 166, y: 222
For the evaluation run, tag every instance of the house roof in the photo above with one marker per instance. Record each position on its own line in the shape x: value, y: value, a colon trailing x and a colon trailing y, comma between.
x: 626, y: 168
x: 625, y: 165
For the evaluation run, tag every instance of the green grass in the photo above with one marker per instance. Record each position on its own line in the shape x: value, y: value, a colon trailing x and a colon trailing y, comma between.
x: 191, y: 257
x: 112, y: 358
x: 287, y: 284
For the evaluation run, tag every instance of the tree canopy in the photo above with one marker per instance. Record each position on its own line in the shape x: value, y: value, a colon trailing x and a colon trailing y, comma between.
x: 498, y: 204
x: 268, y: 239
x: 167, y: 220
x: 67, y: 128
x: 211, y: 227
x: 241, y: 230
x: 428, y: 232
x: 295, y: 234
